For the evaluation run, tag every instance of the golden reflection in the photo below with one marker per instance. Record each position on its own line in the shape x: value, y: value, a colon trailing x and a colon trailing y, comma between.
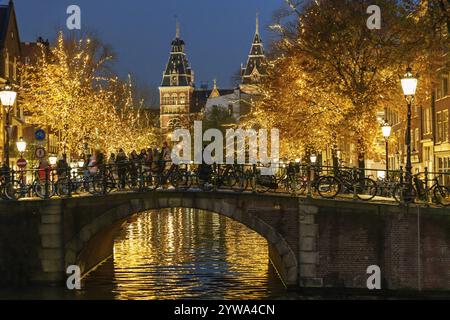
x: 186, y: 253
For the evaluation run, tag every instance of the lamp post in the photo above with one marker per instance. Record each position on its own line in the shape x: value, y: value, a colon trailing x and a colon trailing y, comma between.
x: 8, y: 98
x: 386, y: 129
x: 409, y: 86
x: 313, y: 159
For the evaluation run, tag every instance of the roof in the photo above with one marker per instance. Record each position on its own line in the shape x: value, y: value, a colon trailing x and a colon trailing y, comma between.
x: 200, y: 97
x: 256, y: 63
x: 6, y: 12
x: 178, y: 71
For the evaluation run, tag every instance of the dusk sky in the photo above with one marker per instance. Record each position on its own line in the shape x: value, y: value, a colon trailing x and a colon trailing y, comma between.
x: 218, y: 33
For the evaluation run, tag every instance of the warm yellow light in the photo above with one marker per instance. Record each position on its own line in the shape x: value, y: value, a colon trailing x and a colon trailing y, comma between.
x: 21, y: 145
x: 386, y: 129
x: 8, y: 96
x: 52, y: 160
x: 313, y: 158
x: 409, y: 83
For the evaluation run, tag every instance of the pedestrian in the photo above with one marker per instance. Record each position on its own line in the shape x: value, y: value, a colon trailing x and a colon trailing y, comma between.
x: 166, y: 153
x: 43, y: 170
x: 93, y: 165
x: 62, y: 167
x: 121, y: 162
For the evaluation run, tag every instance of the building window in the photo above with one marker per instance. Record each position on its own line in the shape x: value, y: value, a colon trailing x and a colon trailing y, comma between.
x: 444, y: 167
x: 7, y: 65
x: 416, y: 140
x: 174, y: 99
x: 439, y: 126
x: 445, y: 86
x: 427, y: 120
x: 427, y: 153
x: 445, y: 125
x: 442, y: 125
x: 182, y: 99
x: 15, y: 69
x: 166, y: 99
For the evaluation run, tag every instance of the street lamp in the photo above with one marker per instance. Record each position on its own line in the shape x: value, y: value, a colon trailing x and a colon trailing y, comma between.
x: 386, y: 129
x: 53, y: 160
x: 21, y: 146
x: 80, y: 163
x: 409, y: 86
x: 8, y: 98
x: 313, y: 159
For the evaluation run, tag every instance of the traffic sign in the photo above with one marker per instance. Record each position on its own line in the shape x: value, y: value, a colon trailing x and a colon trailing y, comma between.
x: 40, y: 153
x: 39, y: 134
x: 21, y: 163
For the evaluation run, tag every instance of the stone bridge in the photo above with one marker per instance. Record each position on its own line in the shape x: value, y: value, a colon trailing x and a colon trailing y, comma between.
x: 312, y: 243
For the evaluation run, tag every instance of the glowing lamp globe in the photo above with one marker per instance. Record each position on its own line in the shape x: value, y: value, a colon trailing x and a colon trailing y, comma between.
x: 21, y: 145
x: 386, y: 129
x: 409, y: 83
x: 8, y: 96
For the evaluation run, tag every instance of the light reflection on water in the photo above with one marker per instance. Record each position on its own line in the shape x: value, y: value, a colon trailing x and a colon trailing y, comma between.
x: 185, y: 254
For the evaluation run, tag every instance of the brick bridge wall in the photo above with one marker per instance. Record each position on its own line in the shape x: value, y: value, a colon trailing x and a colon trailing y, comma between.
x: 312, y: 243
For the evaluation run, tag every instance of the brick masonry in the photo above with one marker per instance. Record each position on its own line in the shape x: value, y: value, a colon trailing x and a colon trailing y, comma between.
x: 312, y: 243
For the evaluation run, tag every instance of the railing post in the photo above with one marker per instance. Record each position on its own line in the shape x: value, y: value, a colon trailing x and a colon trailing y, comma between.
x: 215, y: 176
x: 401, y: 174
x: 254, y: 178
x: 402, y: 200
x: 141, y: 176
x: 47, y: 177
x: 69, y: 182
x: 104, y: 180
x: 355, y: 182
x: 310, y: 172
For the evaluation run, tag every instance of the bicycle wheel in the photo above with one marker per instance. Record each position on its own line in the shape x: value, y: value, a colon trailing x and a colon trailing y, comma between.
x: 95, y: 185
x: 62, y: 187
x: 265, y: 183
x: 442, y: 195
x: 132, y: 181
x: 181, y: 180
x: 296, y: 185
x: 402, y: 189
x: 238, y: 183
x: 328, y: 187
x: 14, y: 190
x: 44, y: 189
x: 366, y: 189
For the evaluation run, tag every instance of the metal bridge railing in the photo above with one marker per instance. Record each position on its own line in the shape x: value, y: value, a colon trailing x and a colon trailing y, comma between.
x: 288, y: 178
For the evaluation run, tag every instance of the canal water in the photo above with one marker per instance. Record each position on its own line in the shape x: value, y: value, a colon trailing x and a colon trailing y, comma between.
x: 177, y: 254
x: 185, y: 254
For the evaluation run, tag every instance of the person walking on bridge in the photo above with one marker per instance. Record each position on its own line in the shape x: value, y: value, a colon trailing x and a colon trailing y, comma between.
x: 121, y: 162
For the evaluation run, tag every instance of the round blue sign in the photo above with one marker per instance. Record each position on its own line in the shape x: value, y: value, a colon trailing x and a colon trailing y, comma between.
x: 39, y: 135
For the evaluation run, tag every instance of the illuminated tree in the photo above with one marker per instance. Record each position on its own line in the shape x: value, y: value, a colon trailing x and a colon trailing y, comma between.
x: 330, y: 78
x: 72, y: 90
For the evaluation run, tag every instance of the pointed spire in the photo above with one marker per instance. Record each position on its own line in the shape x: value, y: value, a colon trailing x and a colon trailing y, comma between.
x: 215, y: 92
x: 257, y: 23
x: 177, y: 34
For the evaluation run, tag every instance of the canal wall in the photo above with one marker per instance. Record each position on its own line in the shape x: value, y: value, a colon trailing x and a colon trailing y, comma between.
x: 339, y: 240
x: 313, y: 244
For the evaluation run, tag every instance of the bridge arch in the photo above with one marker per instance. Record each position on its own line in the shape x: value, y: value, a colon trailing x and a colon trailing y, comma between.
x: 92, y: 241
